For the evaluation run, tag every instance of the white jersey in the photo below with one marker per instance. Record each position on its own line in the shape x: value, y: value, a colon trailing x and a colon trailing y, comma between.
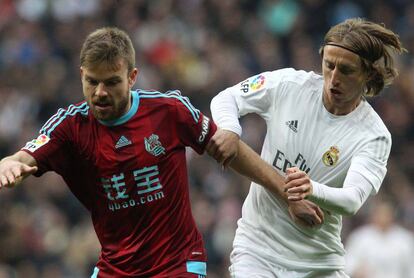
x: 302, y: 133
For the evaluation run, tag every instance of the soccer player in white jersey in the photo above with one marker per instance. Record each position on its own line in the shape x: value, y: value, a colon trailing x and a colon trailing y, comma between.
x: 324, y: 137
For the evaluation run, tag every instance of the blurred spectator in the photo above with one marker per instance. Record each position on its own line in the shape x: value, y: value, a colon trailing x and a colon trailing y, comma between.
x: 382, y: 248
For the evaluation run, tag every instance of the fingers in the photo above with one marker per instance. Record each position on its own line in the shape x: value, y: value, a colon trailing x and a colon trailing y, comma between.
x: 320, y: 213
x: 294, y: 175
x: 215, y: 151
x: 312, y: 219
x: 16, y: 172
x: 293, y: 185
x: 212, y: 149
x: 14, y: 175
x: 292, y: 170
x: 297, y: 184
x: 3, y: 181
x: 300, y: 193
x: 7, y: 179
x: 298, y: 189
x: 222, y: 157
x: 223, y: 147
x: 315, y: 219
x: 309, y: 220
x: 29, y: 170
x: 306, y: 213
x: 297, y: 197
x: 23, y: 170
x: 317, y: 210
x: 301, y: 189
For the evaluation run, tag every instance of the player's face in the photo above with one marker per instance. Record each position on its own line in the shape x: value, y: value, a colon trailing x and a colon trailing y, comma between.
x: 107, y: 89
x: 344, y: 80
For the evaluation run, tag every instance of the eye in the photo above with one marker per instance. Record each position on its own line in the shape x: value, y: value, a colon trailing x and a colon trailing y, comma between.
x: 111, y: 83
x: 346, y: 70
x: 329, y: 65
x: 92, y: 82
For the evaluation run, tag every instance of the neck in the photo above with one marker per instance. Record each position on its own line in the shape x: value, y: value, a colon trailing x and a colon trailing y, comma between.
x: 340, y: 109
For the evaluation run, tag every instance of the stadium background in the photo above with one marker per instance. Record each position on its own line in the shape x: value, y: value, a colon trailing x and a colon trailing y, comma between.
x: 199, y: 47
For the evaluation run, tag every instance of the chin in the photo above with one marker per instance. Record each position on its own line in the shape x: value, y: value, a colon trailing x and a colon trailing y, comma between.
x: 101, y: 116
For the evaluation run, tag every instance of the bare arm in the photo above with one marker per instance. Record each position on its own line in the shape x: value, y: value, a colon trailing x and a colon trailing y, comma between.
x: 251, y: 165
x: 248, y: 163
x: 15, y: 168
x: 227, y: 149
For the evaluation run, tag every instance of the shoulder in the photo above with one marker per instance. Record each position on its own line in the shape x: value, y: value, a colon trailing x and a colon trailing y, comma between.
x: 74, y: 113
x: 299, y: 77
x: 298, y: 85
x: 292, y: 81
x: 371, y: 122
x: 170, y: 99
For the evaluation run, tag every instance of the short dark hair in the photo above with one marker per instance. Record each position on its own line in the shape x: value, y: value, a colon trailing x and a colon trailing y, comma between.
x: 374, y: 44
x: 106, y: 45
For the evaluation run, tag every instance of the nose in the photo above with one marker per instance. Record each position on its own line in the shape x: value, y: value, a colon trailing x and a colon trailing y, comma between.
x: 100, y: 90
x: 335, y: 78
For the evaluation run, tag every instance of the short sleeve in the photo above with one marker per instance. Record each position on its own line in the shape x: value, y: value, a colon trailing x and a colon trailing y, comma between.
x: 51, y: 148
x: 258, y: 94
x: 194, y: 128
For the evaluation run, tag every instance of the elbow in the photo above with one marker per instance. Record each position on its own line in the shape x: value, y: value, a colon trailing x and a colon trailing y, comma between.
x: 351, y: 209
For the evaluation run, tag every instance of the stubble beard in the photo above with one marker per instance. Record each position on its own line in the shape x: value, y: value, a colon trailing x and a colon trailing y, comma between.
x: 116, y: 111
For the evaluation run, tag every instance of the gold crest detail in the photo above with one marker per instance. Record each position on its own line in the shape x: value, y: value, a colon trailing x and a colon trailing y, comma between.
x: 330, y: 158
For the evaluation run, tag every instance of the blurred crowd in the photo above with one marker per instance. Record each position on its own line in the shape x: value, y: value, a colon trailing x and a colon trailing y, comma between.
x: 199, y: 47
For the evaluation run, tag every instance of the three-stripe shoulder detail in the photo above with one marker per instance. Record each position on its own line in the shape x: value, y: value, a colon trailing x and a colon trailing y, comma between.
x: 176, y: 95
x: 61, y: 115
x: 382, y: 147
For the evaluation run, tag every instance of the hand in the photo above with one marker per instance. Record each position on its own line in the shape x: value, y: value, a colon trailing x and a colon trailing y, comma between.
x: 297, y: 184
x: 223, y: 146
x: 306, y: 213
x: 13, y: 172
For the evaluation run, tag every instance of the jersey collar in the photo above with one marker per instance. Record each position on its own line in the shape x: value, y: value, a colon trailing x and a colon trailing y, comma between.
x: 123, y: 119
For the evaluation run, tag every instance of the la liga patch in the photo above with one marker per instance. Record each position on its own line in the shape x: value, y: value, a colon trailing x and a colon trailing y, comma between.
x: 37, y: 143
x: 257, y: 82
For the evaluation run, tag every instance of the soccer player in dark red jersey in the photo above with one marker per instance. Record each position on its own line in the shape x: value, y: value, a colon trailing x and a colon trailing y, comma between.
x: 122, y: 154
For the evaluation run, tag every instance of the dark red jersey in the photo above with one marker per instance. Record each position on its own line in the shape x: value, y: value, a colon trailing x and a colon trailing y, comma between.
x: 131, y: 174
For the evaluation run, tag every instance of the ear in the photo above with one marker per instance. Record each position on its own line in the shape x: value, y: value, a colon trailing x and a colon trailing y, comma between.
x: 132, y: 78
x: 321, y: 50
x: 81, y: 72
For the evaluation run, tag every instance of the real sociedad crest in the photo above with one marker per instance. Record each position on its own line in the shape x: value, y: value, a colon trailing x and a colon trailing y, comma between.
x: 153, y: 145
x: 330, y: 158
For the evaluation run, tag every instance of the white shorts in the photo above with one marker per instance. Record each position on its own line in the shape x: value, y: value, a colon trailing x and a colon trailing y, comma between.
x: 245, y: 264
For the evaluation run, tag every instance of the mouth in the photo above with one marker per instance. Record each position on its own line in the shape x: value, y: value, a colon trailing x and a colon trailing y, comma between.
x: 102, y: 106
x: 335, y: 92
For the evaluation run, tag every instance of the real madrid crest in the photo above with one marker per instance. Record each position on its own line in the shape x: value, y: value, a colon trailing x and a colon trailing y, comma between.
x: 153, y: 145
x: 330, y: 158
